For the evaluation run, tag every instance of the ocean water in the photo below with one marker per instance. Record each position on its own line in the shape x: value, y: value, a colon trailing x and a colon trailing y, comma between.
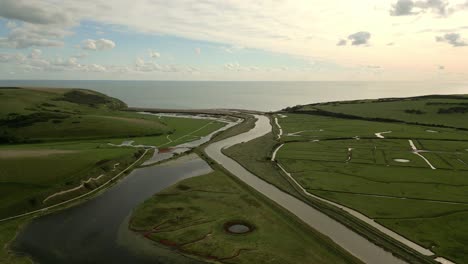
x: 263, y: 96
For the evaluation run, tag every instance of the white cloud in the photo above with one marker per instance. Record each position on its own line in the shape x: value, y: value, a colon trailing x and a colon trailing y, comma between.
x: 35, y: 54
x: 99, y: 44
x: 34, y: 62
x: 306, y: 29
x: 154, y: 54
x: 149, y: 66
x: 30, y: 35
x: 94, y: 68
x: 235, y: 66
x: 232, y: 66
x: 198, y: 51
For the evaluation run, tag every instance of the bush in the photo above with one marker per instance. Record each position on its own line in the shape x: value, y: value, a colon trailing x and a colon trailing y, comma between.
x: 414, y: 111
x: 453, y: 110
x: 28, y: 120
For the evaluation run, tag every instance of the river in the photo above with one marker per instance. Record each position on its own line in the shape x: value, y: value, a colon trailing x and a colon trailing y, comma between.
x: 92, y: 231
x: 96, y: 231
x: 340, y: 234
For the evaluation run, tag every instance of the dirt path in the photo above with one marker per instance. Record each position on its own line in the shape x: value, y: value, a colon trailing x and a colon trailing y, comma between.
x: 78, y: 197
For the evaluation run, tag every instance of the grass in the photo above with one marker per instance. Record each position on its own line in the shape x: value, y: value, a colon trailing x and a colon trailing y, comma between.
x: 8, y: 231
x: 44, y: 115
x: 189, y: 217
x: 324, y: 127
x: 402, y: 196
x: 445, y: 234
x: 53, y: 139
x: 29, y: 180
x: 255, y: 156
x: 429, y: 110
x: 182, y: 130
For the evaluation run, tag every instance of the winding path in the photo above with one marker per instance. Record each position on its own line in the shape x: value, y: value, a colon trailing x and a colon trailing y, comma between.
x: 340, y: 234
x: 416, y: 152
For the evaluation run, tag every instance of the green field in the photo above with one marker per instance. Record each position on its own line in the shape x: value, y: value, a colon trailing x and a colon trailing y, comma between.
x: 190, y: 216
x: 182, y: 130
x: 54, y: 145
x: 441, y: 110
x: 53, y: 139
x: 42, y: 115
x: 30, y: 173
x: 343, y: 160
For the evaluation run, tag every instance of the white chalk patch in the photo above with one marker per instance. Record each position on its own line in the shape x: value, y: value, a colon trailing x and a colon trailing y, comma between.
x: 416, y: 152
x: 380, y: 134
x: 432, y: 131
x: 402, y: 160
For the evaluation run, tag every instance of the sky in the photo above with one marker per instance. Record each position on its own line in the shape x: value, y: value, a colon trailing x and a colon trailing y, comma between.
x: 297, y: 40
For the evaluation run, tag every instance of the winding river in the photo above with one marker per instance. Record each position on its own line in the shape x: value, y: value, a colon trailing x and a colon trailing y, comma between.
x: 340, y: 234
x: 96, y: 230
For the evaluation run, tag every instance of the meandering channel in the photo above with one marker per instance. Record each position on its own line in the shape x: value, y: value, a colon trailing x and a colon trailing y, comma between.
x: 96, y: 231
x: 340, y: 234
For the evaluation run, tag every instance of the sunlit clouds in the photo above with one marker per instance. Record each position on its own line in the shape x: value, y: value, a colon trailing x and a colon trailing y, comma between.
x: 233, y: 39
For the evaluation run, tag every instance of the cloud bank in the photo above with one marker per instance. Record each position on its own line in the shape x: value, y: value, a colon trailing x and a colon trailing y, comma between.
x: 99, y: 44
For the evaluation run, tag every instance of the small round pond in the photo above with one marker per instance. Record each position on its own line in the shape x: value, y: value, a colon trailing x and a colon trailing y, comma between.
x: 238, y: 227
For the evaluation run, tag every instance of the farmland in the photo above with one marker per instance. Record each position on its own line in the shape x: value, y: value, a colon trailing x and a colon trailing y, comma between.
x: 437, y: 110
x: 421, y: 194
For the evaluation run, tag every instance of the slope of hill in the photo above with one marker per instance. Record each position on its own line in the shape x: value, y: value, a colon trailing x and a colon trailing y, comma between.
x: 39, y: 115
x: 434, y: 110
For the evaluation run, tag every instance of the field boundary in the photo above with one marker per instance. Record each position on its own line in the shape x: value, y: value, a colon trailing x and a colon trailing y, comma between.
x: 78, y: 197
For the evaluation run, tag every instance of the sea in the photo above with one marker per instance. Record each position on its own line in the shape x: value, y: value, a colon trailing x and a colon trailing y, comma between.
x: 255, y: 95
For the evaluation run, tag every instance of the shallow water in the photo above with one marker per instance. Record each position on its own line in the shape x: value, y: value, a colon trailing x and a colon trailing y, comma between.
x: 238, y: 229
x: 92, y: 231
x: 184, y: 147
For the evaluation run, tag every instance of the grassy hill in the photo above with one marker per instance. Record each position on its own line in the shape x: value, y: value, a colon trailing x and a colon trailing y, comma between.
x: 435, y: 110
x: 52, y: 140
x: 39, y: 115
